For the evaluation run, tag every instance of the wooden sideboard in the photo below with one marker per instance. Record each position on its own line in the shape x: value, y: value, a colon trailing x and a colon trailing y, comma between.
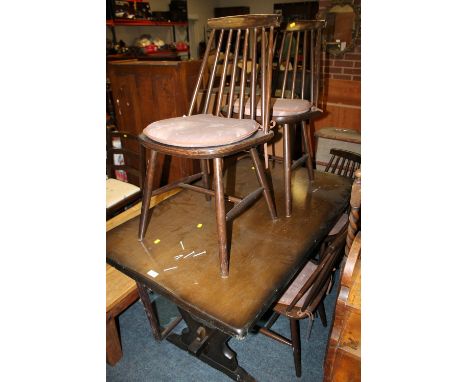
x: 148, y: 91
x: 343, y: 359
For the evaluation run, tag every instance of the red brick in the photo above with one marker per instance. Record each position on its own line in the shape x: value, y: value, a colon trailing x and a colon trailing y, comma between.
x: 352, y: 71
x: 356, y: 78
x: 357, y: 64
x: 344, y: 63
x: 333, y: 70
x: 342, y: 77
x: 352, y: 56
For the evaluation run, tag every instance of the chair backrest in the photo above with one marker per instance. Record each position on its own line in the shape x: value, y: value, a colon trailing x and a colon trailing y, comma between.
x: 317, y: 284
x: 297, y: 59
x: 249, y: 39
x: 132, y: 153
x: 343, y: 162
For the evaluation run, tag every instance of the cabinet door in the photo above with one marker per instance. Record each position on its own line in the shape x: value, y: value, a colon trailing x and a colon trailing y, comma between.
x: 124, y: 93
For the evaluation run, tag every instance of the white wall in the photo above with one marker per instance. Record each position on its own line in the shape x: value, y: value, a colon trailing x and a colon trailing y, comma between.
x: 199, y: 11
x: 256, y: 6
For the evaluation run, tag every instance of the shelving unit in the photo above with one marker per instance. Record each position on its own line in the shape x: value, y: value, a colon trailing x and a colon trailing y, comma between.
x: 169, y: 54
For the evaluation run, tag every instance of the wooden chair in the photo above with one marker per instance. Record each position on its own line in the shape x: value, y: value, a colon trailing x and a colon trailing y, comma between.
x: 123, y: 194
x: 346, y: 162
x: 304, y: 296
x: 212, y: 136
x: 351, y: 216
x: 295, y: 91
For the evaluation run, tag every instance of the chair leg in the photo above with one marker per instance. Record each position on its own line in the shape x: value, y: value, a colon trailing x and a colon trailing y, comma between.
x: 147, y: 191
x: 296, y: 345
x: 287, y: 168
x: 308, y: 149
x: 263, y: 182
x: 221, y: 216
x: 206, y: 177
x: 321, y: 312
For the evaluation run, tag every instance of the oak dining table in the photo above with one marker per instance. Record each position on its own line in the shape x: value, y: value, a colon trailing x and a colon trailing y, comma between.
x: 178, y: 257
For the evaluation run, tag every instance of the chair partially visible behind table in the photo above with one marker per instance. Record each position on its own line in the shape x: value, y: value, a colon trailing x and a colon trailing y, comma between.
x: 306, y: 293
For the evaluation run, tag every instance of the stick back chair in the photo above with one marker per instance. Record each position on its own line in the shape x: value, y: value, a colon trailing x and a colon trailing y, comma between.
x: 297, y: 84
x: 210, y: 135
x: 123, y: 194
x: 305, y: 295
x: 351, y: 217
x: 343, y: 162
x: 295, y: 91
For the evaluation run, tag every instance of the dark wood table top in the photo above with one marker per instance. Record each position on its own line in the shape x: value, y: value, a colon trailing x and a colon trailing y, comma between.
x: 265, y: 254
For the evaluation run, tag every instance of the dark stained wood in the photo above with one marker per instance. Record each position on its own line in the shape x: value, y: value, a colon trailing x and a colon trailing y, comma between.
x: 249, y: 24
x: 287, y: 169
x: 149, y: 180
x: 315, y: 288
x: 144, y: 92
x: 244, y: 21
x: 343, y: 162
x: 210, y: 346
x: 208, y: 152
x: 267, y: 256
x: 159, y: 332
x: 121, y: 292
x: 306, y: 36
x: 256, y: 279
x: 296, y: 345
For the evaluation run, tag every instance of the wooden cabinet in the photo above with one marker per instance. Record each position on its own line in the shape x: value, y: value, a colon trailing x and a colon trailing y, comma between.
x: 148, y: 91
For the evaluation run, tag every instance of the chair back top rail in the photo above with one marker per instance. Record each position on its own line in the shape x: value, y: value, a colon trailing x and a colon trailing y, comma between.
x: 245, y: 21
x: 235, y: 40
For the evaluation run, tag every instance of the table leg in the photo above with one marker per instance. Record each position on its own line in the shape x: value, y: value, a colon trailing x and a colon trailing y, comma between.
x: 210, y: 346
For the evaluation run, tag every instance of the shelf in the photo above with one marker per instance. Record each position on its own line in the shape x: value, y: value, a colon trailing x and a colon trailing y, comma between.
x: 130, y: 22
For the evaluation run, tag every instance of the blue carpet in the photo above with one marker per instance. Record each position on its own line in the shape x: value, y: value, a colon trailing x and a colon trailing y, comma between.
x: 145, y: 359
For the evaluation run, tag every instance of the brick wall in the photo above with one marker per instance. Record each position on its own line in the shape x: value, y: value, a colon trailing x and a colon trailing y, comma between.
x: 346, y: 67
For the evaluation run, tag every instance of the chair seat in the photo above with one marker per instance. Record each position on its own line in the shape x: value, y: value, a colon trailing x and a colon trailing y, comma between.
x: 116, y: 191
x: 281, y: 107
x: 339, y: 134
x: 296, y: 286
x: 200, y: 130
